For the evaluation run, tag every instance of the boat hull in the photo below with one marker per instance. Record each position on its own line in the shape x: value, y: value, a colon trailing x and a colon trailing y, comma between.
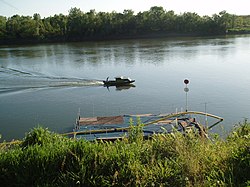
x: 118, y: 83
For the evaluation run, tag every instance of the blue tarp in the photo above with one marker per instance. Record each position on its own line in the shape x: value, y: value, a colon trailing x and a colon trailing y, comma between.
x: 148, y: 129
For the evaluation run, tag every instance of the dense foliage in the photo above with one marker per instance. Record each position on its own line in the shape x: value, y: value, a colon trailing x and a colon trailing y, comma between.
x: 79, y: 26
x: 47, y: 159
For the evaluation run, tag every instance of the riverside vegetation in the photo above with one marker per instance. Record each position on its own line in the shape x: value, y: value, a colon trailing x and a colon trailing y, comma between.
x: 44, y: 158
x: 92, y: 25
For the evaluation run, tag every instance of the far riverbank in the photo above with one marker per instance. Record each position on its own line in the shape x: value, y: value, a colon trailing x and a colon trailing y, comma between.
x: 113, y: 38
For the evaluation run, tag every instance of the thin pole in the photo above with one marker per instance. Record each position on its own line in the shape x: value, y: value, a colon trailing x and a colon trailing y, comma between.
x: 186, y: 81
x: 186, y: 99
x: 206, y: 114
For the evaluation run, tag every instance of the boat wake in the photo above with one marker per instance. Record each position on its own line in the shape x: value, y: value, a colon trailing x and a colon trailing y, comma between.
x: 14, y: 80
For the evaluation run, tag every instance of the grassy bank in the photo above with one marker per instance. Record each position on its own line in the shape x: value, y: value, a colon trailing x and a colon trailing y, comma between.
x: 239, y: 31
x: 47, y: 159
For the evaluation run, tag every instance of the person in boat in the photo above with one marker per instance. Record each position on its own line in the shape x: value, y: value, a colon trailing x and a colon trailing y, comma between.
x: 107, y: 79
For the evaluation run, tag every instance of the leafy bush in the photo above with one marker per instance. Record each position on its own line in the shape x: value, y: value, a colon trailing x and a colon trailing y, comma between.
x: 40, y: 136
x: 47, y: 159
x: 135, y: 132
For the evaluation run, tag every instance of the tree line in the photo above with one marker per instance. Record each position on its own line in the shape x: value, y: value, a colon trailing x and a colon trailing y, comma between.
x: 92, y: 25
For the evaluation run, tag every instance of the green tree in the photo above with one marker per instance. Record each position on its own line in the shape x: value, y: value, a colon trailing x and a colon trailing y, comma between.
x: 59, y: 25
x: 104, y: 24
x: 13, y: 26
x: 193, y: 22
x: 21, y: 27
x: 225, y: 21
x: 2, y: 27
x: 169, y: 21
x: 38, y: 23
x: 239, y: 22
x: 129, y: 22
x: 47, y: 31
x: 156, y: 17
x: 92, y: 23
x: 142, y: 22
x: 27, y: 28
x: 117, y: 23
x: 76, y: 23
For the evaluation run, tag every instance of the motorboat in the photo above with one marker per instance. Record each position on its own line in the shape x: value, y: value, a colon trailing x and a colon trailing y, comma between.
x: 119, y: 81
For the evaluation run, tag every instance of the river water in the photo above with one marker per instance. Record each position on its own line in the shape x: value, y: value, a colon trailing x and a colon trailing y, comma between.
x: 47, y: 84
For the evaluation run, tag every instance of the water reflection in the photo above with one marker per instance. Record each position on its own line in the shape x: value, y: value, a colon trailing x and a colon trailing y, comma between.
x: 71, y: 74
x: 119, y: 52
x: 121, y: 88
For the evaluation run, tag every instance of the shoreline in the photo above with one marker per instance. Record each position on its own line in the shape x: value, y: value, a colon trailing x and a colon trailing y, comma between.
x: 109, y: 38
x: 115, y: 38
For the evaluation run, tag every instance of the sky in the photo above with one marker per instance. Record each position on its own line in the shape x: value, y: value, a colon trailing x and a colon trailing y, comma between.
x: 48, y: 8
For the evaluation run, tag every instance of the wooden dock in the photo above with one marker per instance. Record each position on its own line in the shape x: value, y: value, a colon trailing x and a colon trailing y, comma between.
x: 115, y: 127
x: 101, y: 120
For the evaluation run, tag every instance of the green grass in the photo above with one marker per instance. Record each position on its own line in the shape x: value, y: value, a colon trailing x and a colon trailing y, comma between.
x: 44, y: 158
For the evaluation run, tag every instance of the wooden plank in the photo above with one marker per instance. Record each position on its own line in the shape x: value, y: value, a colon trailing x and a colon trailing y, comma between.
x: 102, y: 120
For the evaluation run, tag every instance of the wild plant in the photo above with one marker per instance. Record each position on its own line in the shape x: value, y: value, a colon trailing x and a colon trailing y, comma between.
x: 48, y: 159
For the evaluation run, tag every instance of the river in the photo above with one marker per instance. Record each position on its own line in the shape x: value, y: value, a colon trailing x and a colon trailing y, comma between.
x: 47, y: 84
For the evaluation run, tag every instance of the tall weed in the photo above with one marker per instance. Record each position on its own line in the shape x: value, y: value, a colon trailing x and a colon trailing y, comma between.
x: 47, y: 159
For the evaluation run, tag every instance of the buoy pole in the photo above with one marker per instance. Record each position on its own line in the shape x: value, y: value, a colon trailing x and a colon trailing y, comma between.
x: 186, y: 81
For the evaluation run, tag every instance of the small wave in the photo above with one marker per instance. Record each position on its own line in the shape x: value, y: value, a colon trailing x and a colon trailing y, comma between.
x: 16, y: 89
x: 19, y: 71
x: 13, y: 71
x: 11, y: 82
x: 76, y: 83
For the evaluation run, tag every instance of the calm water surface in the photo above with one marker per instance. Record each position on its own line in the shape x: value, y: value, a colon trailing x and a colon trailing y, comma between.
x: 47, y: 84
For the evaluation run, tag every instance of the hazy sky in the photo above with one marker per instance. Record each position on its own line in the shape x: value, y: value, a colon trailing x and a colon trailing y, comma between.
x: 47, y: 8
